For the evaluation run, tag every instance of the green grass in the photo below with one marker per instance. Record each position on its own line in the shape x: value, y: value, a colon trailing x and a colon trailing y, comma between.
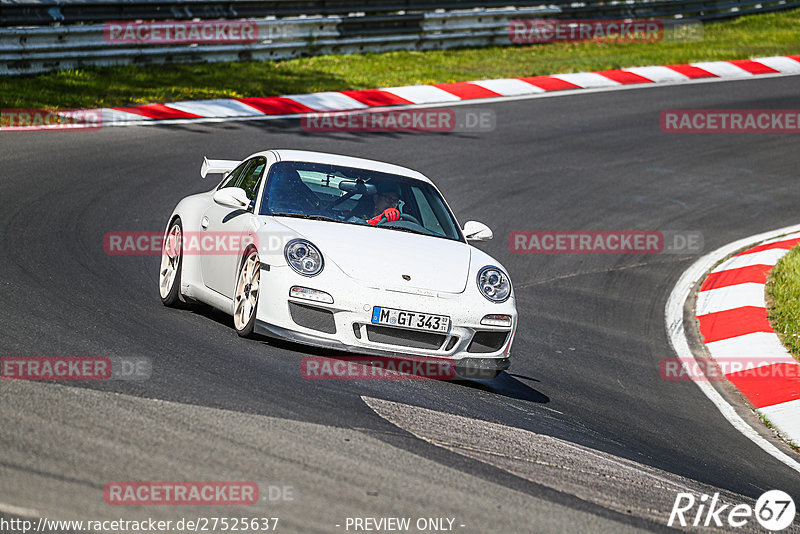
x: 783, y: 300
x: 751, y: 36
x: 769, y: 425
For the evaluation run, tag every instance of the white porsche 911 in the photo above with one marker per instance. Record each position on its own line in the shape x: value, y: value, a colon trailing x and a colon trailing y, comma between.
x: 344, y: 253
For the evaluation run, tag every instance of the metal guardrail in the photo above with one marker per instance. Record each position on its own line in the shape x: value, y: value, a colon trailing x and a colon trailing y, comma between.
x: 43, y: 12
x: 40, y: 49
x: 40, y: 36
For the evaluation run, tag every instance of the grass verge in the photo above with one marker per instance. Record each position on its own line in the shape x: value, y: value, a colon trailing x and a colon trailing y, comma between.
x: 783, y: 300
x: 751, y: 36
x: 777, y: 432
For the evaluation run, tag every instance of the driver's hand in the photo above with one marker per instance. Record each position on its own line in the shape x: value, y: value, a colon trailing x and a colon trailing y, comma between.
x: 391, y: 214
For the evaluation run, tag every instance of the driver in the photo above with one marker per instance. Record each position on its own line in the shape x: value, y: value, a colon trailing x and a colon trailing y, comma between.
x: 382, y: 204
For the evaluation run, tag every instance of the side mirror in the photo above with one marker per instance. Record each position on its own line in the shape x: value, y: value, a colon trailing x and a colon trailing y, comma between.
x: 232, y: 197
x: 476, y: 231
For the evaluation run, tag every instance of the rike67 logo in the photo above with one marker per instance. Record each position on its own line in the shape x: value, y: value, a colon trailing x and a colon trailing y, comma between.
x: 774, y: 510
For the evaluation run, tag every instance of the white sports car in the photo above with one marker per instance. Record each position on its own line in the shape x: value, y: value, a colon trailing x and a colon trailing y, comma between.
x: 344, y: 253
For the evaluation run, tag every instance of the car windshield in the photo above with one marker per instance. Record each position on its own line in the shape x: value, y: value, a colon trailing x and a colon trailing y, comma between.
x: 356, y: 196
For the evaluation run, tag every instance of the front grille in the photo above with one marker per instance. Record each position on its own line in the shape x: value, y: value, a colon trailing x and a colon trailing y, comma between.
x: 313, y: 318
x: 405, y: 338
x: 487, y: 341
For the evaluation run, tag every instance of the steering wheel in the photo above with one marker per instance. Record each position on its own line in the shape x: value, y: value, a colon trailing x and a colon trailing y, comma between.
x: 403, y: 217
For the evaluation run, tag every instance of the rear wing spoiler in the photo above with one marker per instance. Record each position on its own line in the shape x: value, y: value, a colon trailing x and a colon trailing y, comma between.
x: 217, y: 166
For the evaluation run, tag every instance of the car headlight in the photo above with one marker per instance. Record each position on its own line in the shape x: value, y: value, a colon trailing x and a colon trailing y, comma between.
x: 303, y: 257
x: 494, y: 284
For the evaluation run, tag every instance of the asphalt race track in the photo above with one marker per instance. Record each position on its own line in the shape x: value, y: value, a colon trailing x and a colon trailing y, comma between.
x: 584, y: 386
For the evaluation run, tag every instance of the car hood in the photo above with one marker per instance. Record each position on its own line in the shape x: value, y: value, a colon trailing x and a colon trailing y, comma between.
x: 381, y: 257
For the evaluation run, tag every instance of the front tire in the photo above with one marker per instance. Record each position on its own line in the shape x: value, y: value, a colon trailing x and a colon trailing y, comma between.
x: 245, y: 300
x: 169, y: 276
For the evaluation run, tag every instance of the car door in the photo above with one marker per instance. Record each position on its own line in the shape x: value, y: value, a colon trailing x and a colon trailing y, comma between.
x: 225, y: 230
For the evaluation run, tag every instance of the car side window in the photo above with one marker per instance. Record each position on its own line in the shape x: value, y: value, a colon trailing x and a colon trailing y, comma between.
x: 251, y: 177
x: 231, y: 179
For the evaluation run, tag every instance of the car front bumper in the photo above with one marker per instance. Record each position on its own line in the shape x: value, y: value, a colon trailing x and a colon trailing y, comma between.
x: 346, y: 323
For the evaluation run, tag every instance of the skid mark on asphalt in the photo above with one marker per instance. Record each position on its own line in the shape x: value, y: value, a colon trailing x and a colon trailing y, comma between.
x: 677, y: 259
x: 615, y: 483
x: 78, y: 440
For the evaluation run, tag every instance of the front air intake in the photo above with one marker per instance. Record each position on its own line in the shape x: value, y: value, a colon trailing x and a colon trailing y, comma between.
x: 404, y: 338
x: 313, y: 318
x: 487, y: 341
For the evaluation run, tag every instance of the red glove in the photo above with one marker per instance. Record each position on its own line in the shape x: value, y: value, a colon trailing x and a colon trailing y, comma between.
x: 391, y: 214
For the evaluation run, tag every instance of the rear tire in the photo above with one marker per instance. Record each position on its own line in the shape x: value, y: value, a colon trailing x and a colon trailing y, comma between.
x: 245, y: 300
x: 169, y: 276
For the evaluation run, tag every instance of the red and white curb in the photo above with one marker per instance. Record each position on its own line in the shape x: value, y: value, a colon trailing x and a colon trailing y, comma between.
x: 732, y: 316
x: 444, y: 93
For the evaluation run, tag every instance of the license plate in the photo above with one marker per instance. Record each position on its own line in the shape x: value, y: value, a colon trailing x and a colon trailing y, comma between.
x: 407, y: 319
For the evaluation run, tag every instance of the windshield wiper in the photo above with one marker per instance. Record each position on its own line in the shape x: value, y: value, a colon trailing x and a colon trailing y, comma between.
x: 305, y: 216
x: 409, y: 230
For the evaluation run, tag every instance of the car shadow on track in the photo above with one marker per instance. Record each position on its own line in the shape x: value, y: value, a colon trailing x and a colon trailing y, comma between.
x: 508, y: 385
x: 366, y: 367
